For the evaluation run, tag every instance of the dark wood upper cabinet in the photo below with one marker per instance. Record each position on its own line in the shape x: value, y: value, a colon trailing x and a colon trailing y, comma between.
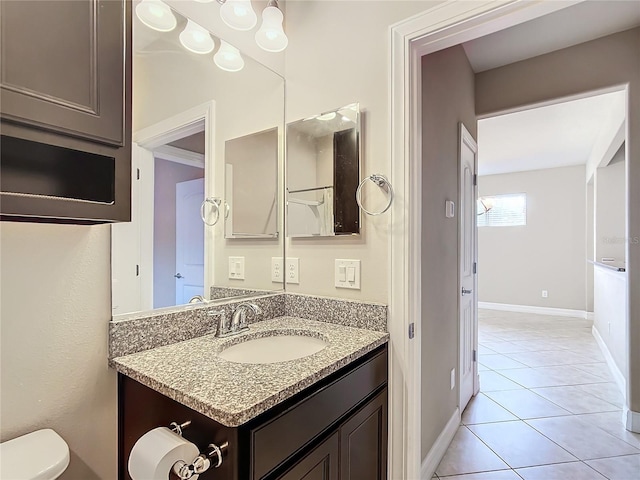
x: 65, y: 110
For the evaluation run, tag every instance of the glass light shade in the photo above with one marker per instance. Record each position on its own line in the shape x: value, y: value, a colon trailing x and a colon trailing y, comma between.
x: 228, y: 58
x: 271, y: 36
x: 204, y: 1
x: 156, y: 14
x: 238, y: 14
x: 196, y: 39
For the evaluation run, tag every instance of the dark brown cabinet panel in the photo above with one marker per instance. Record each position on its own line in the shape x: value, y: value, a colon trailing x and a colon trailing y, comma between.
x: 65, y: 110
x: 320, y: 464
x: 363, y: 442
x: 63, y: 66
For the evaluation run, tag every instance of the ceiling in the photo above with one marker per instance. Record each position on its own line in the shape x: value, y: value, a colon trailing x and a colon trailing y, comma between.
x: 567, y: 27
x: 553, y: 136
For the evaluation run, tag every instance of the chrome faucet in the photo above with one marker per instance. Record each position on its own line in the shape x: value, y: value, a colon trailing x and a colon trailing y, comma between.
x: 238, y: 321
x: 239, y: 317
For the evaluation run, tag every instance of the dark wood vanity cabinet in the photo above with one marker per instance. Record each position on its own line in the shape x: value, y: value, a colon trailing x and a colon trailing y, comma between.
x: 65, y: 109
x: 334, y: 430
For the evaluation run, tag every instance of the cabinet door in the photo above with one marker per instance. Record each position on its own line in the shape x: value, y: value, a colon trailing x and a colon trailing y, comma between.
x: 363, y: 442
x: 63, y: 67
x: 320, y: 464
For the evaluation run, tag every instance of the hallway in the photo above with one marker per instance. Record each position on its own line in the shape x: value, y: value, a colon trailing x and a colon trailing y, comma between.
x: 548, y: 406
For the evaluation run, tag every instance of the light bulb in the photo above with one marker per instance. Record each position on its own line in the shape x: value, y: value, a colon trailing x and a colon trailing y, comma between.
x: 196, y: 39
x: 238, y: 14
x: 157, y: 15
x: 271, y: 36
x: 228, y: 58
x: 327, y: 116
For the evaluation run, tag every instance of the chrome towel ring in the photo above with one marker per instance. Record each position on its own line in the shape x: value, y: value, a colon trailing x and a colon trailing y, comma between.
x: 382, y: 182
x: 215, y: 207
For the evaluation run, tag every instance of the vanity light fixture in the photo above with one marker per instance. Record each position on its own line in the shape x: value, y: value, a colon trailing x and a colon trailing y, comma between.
x: 228, y: 58
x: 238, y: 14
x: 271, y: 37
x: 326, y: 116
x: 157, y: 15
x: 196, y: 39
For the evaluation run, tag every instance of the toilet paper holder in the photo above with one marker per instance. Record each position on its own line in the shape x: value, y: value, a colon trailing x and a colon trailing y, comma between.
x: 211, y: 457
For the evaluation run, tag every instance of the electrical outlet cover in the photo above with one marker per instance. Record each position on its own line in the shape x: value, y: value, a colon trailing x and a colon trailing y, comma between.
x: 277, y: 270
x: 293, y: 270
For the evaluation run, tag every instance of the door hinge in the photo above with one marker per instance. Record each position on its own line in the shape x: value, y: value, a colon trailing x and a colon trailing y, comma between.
x: 137, y: 270
x: 412, y: 330
x: 475, y: 355
x: 475, y: 179
x: 475, y: 267
x: 137, y: 174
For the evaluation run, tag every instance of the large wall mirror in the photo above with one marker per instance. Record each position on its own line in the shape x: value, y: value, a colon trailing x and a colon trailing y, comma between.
x: 323, y: 173
x: 205, y: 223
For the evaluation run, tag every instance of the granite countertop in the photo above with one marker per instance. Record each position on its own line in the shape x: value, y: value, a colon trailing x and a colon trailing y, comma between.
x: 192, y: 372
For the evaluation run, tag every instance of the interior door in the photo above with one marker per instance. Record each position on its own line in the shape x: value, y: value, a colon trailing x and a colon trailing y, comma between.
x: 189, y: 240
x: 468, y: 311
x: 125, y: 251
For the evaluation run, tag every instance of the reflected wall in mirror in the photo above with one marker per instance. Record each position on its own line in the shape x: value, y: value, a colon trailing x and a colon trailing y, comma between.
x: 323, y: 173
x: 251, y: 173
x: 186, y: 110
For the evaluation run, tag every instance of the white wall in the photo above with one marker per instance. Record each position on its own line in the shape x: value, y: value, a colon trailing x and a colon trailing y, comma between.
x: 54, y: 313
x: 611, y: 210
x: 610, y: 314
x: 339, y: 54
x: 548, y: 253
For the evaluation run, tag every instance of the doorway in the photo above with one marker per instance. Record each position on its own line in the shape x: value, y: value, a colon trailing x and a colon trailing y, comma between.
x: 161, y: 255
x: 436, y: 30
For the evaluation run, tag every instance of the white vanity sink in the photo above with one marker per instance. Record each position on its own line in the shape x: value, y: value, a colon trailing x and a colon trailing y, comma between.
x: 273, y: 349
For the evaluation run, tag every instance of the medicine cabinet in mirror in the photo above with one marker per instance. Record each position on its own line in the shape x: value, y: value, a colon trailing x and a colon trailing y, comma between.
x: 323, y: 173
x: 199, y: 119
x: 251, y: 193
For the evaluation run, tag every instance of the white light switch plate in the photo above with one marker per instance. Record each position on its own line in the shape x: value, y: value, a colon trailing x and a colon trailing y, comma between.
x: 236, y: 268
x: 277, y: 270
x: 347, y: 274
x: 293, y: 270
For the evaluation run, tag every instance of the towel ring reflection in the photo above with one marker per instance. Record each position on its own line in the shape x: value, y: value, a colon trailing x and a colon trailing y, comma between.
x: 381, y: 181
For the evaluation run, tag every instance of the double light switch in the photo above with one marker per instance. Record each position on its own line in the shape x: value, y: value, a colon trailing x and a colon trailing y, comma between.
x: 347, y: 274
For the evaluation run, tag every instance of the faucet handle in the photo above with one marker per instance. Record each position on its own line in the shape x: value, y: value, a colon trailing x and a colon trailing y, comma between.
x: 223, y: 323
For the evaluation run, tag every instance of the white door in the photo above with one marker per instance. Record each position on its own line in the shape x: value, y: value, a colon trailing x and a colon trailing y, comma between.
x: 189, y: 240
x: 468, y: 311
x: 125, y: 251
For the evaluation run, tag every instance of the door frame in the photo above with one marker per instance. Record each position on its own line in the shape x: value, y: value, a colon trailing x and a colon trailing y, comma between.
x: 154, y: 139
x: 465, y: 137
x: 443, y: 26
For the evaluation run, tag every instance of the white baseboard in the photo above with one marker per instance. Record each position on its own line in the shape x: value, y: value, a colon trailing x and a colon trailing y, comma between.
x: 632, y: 420
x: 591, y: 316
x: 558, y: 312
x: 615, y: 371
x: 439, y: 448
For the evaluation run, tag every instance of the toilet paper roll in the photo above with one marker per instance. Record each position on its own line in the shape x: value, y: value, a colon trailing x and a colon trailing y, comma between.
x: 154, y: 454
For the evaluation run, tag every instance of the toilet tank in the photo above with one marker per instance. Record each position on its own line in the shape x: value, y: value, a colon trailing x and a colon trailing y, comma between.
x: 40, y: 455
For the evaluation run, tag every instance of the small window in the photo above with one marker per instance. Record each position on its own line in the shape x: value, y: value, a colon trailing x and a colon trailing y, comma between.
x: 502, y: 210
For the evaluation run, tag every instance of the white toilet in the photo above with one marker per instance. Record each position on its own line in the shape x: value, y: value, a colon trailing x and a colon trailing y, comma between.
x: 40, y: 455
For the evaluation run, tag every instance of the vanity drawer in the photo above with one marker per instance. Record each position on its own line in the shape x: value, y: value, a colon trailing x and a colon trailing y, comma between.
x: 276, y: 440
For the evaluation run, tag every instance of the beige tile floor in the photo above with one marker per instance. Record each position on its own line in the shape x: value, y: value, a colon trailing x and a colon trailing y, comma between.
x: 548, y: 407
